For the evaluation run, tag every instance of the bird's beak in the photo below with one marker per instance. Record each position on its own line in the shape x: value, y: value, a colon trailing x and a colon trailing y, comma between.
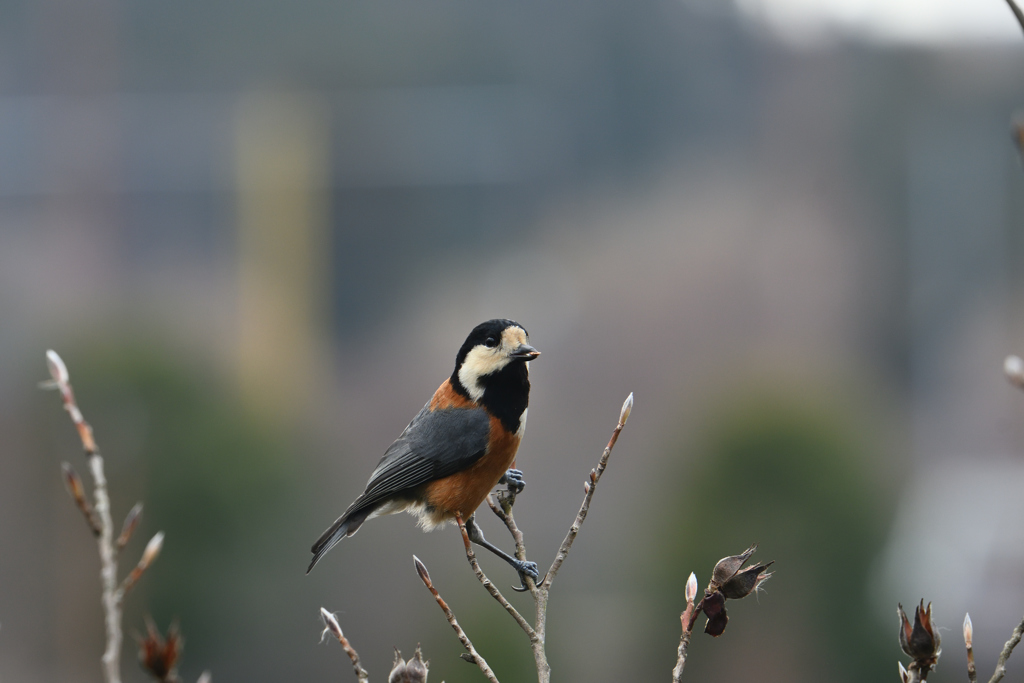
x: 526, y: 352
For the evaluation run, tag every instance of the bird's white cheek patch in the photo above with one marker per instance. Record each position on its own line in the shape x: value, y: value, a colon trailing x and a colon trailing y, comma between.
x: 480, y: 361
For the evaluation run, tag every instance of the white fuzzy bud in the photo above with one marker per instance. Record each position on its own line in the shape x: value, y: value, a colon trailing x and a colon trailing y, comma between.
x: 331, y: 625
x: 968, y: 631
x: 627, y: 408
x: 152, y: 549
x: 691, y: 588
x: 58, y: 371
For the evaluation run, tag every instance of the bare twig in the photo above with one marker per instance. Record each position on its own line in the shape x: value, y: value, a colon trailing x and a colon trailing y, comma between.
x: 686, y: 619
x: 108, y: 558
x: 489, y: 585
x: 73, y: 484
x: 331, y: 625
x: 99, y: 518
x: 972, y: 671
x: 131, y: 521
x: 473, y: 655
x: 148, y: 556
x: 591, y: 486
x: 1007, y: 651
x: 502, y: 507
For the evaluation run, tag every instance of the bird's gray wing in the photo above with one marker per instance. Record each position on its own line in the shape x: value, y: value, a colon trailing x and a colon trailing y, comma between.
x: 436, y: 444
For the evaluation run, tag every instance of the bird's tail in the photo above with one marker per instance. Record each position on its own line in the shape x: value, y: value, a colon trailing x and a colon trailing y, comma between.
x: 346, y: 525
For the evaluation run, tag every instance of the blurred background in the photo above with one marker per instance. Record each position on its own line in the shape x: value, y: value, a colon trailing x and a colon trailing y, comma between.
x: 258, y: 233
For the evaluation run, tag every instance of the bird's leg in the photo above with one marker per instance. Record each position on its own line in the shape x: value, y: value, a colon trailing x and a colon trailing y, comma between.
x: 514, y: 480
x: 524, y: 568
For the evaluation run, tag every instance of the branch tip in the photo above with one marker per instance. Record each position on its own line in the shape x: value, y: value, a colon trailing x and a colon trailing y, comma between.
x: 627, y: 408
x: 421, y: 569
x: 58, y: 371
x: 691, y: 588
x: 131, y: 521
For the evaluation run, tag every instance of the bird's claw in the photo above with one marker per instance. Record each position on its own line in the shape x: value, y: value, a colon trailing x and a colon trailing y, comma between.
x: 514, y: 480
x: 525, y: 569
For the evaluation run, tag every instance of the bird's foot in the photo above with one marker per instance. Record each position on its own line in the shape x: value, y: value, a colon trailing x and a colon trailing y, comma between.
x: 514, y: 480
x: 525, y: 569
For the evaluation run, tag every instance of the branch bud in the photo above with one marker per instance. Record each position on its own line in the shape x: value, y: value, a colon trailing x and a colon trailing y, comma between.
x: 968, y: 631
x: 75, y: 488
x: 421, y: 569
x: 130, y: 522
x: 58, y: 371
x: 627, y: 408
x: 205, y: 677
x: 691, y: 588
x: 331, y: 625
x: 152, y: 550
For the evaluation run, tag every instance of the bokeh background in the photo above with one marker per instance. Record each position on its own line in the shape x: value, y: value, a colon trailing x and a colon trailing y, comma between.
x: 258, y: 232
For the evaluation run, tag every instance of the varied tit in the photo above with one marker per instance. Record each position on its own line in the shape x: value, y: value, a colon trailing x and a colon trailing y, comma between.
x: 459, y: 447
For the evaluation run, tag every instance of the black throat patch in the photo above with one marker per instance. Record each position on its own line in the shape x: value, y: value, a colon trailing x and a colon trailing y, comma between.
x: 507, y: 393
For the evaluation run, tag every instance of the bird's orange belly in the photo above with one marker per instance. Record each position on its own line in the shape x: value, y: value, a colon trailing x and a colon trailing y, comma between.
x: 464, y: 491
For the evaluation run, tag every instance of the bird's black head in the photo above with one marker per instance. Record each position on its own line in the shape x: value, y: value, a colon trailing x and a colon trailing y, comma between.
x: 491, y: 368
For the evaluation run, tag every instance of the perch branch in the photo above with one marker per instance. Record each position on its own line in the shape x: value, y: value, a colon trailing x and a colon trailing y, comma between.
x: 473, y: 656
x: 489, y: 585
x: 331, y: 625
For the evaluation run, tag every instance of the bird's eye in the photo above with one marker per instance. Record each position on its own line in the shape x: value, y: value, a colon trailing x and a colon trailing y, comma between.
x: 490, y: 342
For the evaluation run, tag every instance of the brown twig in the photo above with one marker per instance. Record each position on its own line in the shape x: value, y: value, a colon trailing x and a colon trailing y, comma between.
x: 686, y: 620
x: 473, y: 656
x: 148, y: 555
x: 590, y: 487
x: 541, y: 591
x: 108, y: 558
x: 502, y: 508
x: 1007, y: 651
x: 972, y: 671
x: 331, y: 625
x: 489, y: 585
x: 73, y: 484
x: 98, y: 515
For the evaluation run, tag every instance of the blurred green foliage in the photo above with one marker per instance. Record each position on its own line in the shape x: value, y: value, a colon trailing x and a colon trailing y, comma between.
x: 794, y: 476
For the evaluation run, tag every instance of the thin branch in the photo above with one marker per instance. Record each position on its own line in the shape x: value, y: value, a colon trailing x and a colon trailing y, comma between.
x: 489, y: 585
x: 73, y: 484
x: 331, y: 625
x: 111, y: 598
x: 473, y: 656
x: 1007, y: 651
x: 502, y: 507
x: 972, y: 670
x: 1016, y: 12
x: 686, y: 620
x: 148, y: 556
x: 591, y: 486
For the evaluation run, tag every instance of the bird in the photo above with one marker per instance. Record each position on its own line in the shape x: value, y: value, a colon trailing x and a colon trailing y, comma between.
x: 460, y: 446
